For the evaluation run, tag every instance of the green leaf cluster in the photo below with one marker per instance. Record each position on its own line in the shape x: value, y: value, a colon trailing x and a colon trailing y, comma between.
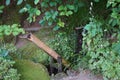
x: 115, y: 16
x: 63, y: 44
x: 102, y: 54
x: 66, y: 10
x: 33, y: 12
x: 7, y: 72
x: 53, y: 11
x: 50, y: 17
x: 10, y: 30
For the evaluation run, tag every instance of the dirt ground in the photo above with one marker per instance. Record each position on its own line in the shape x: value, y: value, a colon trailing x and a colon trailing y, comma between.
x: 73, y: 75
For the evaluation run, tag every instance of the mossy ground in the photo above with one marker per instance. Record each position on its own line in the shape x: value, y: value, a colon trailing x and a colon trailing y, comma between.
x: 31, y: 71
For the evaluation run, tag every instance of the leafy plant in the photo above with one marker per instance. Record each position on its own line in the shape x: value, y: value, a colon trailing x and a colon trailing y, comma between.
x: 64, y: 45
x: 10, y: 29
x: 53, y: 11
x: 6, y: 49
x: 50, y: 17
x: 101, y: 43
x: 115, y: 16
x: 101, y: 56
x: 33, y: 12
x: 7, y: 72
x: 66, y: 10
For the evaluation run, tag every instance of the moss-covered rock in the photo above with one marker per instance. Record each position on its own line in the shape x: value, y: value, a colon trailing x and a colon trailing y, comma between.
x: 34, y: 53
x: 31, y: 71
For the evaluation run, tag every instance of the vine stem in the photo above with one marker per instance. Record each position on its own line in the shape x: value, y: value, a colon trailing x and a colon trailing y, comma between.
x: 91, y: 10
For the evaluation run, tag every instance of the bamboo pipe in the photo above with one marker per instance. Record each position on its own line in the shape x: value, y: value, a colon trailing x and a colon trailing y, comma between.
x: 44, y: 47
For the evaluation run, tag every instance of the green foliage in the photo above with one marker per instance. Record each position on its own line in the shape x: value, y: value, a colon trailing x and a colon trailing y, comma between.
x: 66, y: 10
x: 53, y: 11
x: 55, y: 16
x: 7, y: 72
x: 50, y: 17
x: 6, y: 50
x: 101, y: 55
x: 19, y: 2
x: 101, y: 37
x: 101, y: 43
x: 7, y: 2
x: 33, y: 12
x: 36, y: 1
x: 115, y: 16
x: 64, y: 45
x: 1, y: 9
x: 60, y: 23
x: 10, y: 30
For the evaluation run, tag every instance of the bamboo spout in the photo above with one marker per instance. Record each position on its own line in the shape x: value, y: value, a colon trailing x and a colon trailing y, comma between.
x: 44, y: 47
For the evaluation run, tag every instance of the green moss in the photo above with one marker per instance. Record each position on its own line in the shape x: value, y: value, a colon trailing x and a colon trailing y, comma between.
x: 32, y: 52
x: 31, y: 71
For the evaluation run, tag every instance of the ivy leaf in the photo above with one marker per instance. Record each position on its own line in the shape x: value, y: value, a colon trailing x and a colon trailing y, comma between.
x: 20, y: 30
x: 4, y: 53
x: 14, y: 26
x: 7, y: 2
x: 60, y: 7
x: 62, y: 13
x: 19, y: 2
x: 53, y: 4
x: 1, y: 7
x: 61, y: 24
x: 114, y: 22
x: 69, y: 13
x: 116, y: 47
x: 113, y: 5
x: 55, y: 14
x: 56, y: 28
x: 38, y: 12
x: 41, y: 22
x: 44, y: 4
x: 7, y: 31
x: 23, y: 10
x: 15, y: 33
x: 49, y: 23
x: 87, y: 27
x: 36, y: 2
x: 71, y: 7
x: 1, y: 11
